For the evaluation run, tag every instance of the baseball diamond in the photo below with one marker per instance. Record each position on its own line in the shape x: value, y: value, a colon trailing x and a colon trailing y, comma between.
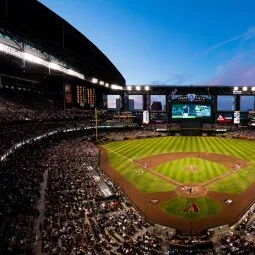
x: 184, y: 171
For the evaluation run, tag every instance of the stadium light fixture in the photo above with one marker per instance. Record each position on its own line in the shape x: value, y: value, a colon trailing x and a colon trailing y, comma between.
x: 138, y: 87
x: 79, y: 75
x: 147, y: 88
x: 235, y: 88
x: 107, y: 85
x: 71, y: 72
x: 94, y: 80
x: 55, y: 66
x: 34, y: 59
x: 117, y: 87
x: 11, y: 51
x: 37, y: 60
x: 101, y: 83
x: 245, y: 88
x: 253, y: 89
x: 129, y: 87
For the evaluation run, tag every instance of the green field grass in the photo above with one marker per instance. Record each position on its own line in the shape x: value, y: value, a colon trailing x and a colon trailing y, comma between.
x: 175, y: 206
x: 237, y: 182
x: 204, y: 170
x: 120, y: 154
x: 144, y: 181
x: 134, y: 149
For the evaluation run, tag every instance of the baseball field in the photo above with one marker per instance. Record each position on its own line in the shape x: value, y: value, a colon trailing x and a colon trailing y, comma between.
x: 176, y: 180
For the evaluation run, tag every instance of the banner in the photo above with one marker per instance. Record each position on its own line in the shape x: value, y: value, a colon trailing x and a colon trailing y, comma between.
x: 236, y: 117
x: 146, y: 119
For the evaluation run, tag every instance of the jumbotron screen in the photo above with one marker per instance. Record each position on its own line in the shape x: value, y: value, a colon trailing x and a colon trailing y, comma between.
x: 189, y: 111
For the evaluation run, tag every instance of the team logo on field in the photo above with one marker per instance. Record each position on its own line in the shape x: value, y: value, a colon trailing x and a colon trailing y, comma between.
x: 192, y: 207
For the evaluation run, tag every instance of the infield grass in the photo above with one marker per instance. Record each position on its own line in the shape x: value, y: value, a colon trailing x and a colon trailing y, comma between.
x: 191, y: 170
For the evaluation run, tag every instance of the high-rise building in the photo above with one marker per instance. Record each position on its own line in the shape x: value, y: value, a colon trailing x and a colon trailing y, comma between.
x: 118, y: 104
x: 156, y: 106
x: 131, y: 104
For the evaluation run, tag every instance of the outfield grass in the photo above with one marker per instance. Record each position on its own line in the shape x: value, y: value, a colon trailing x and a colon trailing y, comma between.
x: 120, y: 152
x: 204, y: 170
x: 135, y: 149
x: 144, y: 181
x: 175, y: 206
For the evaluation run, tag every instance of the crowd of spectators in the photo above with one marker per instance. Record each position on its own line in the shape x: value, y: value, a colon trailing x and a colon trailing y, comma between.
x: 243, y: 132
x: 158, y: 126
x: 239, y: 240
x: 19, y: 107
x: 236, y: 243
x: 131, y: 133
x: 175, y: 126
x: 20, y: 175
x: 12, y: 134
x: 190, y: 245
x: 77, y: 218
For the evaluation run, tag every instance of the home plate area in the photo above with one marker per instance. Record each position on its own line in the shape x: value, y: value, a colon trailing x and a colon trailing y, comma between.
x: 191, y: 190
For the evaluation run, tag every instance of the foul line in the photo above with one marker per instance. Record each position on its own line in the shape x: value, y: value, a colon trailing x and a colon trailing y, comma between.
x: 146, y: 168
x: 222, y: 176
x: 138, y: 172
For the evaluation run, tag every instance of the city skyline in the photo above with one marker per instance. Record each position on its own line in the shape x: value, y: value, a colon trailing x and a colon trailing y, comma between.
x: 224, y: 103
x: 113, y: 101
x: 138, y: 101
x: 158, y: 98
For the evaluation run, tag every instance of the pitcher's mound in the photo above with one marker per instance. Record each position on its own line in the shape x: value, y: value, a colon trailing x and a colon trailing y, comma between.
x: 191, y: 168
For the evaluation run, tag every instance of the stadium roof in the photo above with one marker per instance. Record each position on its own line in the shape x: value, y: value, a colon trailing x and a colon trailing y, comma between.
x: 30, y: 22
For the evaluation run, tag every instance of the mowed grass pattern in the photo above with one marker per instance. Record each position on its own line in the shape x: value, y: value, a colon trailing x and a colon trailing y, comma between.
x: 207, y: 207
x: 135, y: 149
x: 204, y: 170
x: 120, y: 152
x: 237, y: 182
x: 144, y: 181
